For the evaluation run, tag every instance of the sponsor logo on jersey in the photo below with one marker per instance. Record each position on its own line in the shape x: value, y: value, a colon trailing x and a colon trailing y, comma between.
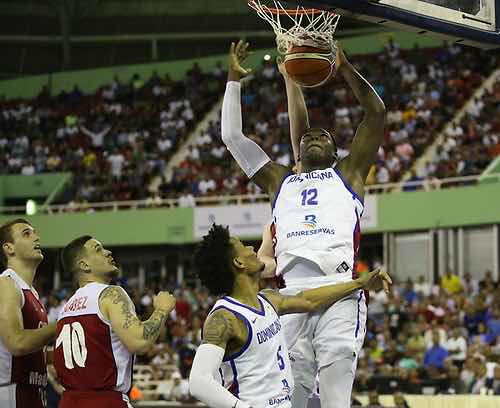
x: 279, y: 400
x: 310, y: 221
x: 311, y: 224
x: 314, y: 175
x: 269, y: 332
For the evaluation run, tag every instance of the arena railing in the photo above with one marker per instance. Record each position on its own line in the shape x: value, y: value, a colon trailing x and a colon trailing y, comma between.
x: 422, y: 185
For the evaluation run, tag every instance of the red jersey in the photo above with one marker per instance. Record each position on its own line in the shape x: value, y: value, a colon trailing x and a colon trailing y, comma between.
x: 88, y: 355
x: 30, y: 369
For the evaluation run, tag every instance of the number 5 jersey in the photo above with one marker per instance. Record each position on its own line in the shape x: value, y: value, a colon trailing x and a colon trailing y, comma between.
x: 259, y: 374
x: 88, y: 355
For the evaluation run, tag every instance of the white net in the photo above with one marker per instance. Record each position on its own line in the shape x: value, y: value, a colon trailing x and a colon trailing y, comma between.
x: 298, y: 26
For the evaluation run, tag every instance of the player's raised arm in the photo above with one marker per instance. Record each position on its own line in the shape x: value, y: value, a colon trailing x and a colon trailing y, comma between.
x: 297, y: 111
x: 325, y: 296
x: 218, y: 330
x: 251, y: 158
x: 137, y: 336
x: 266, y: 253
x: 18, y: 340
x: 370, y: 132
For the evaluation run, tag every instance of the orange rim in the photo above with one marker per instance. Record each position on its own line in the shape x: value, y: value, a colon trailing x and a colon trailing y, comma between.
x: 298, y: 10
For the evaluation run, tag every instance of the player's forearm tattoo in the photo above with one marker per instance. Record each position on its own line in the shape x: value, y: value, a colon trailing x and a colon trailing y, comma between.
x: 218, y: 330
x: 151, y: 327
x: 118, y: 297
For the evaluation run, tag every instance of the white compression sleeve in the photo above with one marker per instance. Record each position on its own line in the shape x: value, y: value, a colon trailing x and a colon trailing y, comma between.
x: 202, y: 383
x: 248, y: 154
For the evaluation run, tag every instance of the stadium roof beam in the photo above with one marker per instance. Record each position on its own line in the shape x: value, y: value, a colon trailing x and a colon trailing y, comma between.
x: 223, y: 35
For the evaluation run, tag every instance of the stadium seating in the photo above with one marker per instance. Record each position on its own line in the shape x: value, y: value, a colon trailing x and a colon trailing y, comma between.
x: 118, y: 141
x: 400, y: 334
x: 422, y: 89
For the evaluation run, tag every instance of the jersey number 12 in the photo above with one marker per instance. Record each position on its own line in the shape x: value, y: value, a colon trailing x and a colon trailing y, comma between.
x: 310, y: 196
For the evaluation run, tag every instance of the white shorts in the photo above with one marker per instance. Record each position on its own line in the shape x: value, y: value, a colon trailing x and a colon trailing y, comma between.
x: 316, y: 340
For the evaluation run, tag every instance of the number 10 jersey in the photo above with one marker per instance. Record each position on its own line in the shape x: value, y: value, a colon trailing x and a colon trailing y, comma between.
x: 88, y: 355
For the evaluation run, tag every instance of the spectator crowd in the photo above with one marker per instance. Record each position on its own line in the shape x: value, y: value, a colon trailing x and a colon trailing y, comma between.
x: 422, y: 90
x: 422, y: 337
x: 118, y: 140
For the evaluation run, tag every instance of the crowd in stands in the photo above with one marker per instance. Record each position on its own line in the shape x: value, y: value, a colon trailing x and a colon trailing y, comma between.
x: 441, y: 337
x: 118, y: 140
x: 422, y: 90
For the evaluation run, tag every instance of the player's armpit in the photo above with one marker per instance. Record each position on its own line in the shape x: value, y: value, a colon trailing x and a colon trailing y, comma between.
x: 364, y: 149
x: 118, y: 309
x: 270, y: 176
x: 19, y: 341
x: 266, y: 254
x: 288, y: 304
x: 219, y: 328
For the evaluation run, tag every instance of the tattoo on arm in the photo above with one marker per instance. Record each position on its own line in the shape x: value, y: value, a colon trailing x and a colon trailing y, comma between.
x: 118, y: 297
x: 218, y: 330
x: 151, y: 327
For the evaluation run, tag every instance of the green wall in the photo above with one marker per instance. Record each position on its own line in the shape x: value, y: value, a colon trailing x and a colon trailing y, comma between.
x: 90, y: 80
x: 405, y: 211
x: 461, y: 206
x: 132, y: 227
x: 39, y: 185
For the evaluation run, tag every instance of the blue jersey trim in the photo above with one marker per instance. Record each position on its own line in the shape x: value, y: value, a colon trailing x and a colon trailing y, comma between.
x: 267, y: 300
x: 221, y: 376
x: 235, y: 379
x: 250, y: 332
x: 261, y: 312
x: 279, y: 190
x: 357, y: 317
x: 346, y: 184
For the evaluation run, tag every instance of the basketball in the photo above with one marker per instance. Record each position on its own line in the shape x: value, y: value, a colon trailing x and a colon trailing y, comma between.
x: 309, y: 66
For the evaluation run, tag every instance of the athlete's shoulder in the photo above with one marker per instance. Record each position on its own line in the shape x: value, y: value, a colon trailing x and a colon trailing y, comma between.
x: 9, y: 290
x: 113, y: 293
x: 8, y: 284
x: 220, y: 327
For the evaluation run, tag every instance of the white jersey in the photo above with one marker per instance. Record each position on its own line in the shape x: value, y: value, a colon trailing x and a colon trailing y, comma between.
x: 316, y: 218
x: 88, y: 355
x: 259, y: 374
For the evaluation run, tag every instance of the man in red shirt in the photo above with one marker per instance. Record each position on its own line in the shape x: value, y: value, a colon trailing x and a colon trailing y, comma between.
x: 98, y: 331
x: 23, y: 319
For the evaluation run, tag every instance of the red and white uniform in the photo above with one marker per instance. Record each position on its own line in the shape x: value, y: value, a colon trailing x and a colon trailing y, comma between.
x: 23, y: 378
x: 91, y: 362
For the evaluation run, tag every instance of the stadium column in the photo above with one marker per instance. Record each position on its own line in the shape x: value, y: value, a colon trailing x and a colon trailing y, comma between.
x: 496, y: 249
x: 57, y: 277
x: 180, y: 272
x: 142, y: 276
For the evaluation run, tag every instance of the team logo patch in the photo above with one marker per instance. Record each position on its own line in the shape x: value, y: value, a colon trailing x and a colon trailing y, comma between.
x: 310, y: 227
x: 310, y: 221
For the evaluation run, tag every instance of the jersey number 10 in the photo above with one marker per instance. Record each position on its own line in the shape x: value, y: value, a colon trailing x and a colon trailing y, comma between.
x: 72, y: 338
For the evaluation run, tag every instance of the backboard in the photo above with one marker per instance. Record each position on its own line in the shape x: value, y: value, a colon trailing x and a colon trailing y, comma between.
x: 471, y: 22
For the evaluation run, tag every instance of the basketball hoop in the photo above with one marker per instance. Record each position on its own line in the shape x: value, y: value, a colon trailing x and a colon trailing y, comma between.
x: 298, y: 26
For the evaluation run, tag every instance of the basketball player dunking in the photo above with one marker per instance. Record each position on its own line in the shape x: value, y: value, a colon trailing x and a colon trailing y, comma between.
x: 23, y: 319
x: 243, y: 360
x: 98, y: 331
x: 316, y: 215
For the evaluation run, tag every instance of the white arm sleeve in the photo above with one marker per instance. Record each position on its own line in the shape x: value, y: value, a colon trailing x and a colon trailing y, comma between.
x: 248, y: 154
x: 202, y: 383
